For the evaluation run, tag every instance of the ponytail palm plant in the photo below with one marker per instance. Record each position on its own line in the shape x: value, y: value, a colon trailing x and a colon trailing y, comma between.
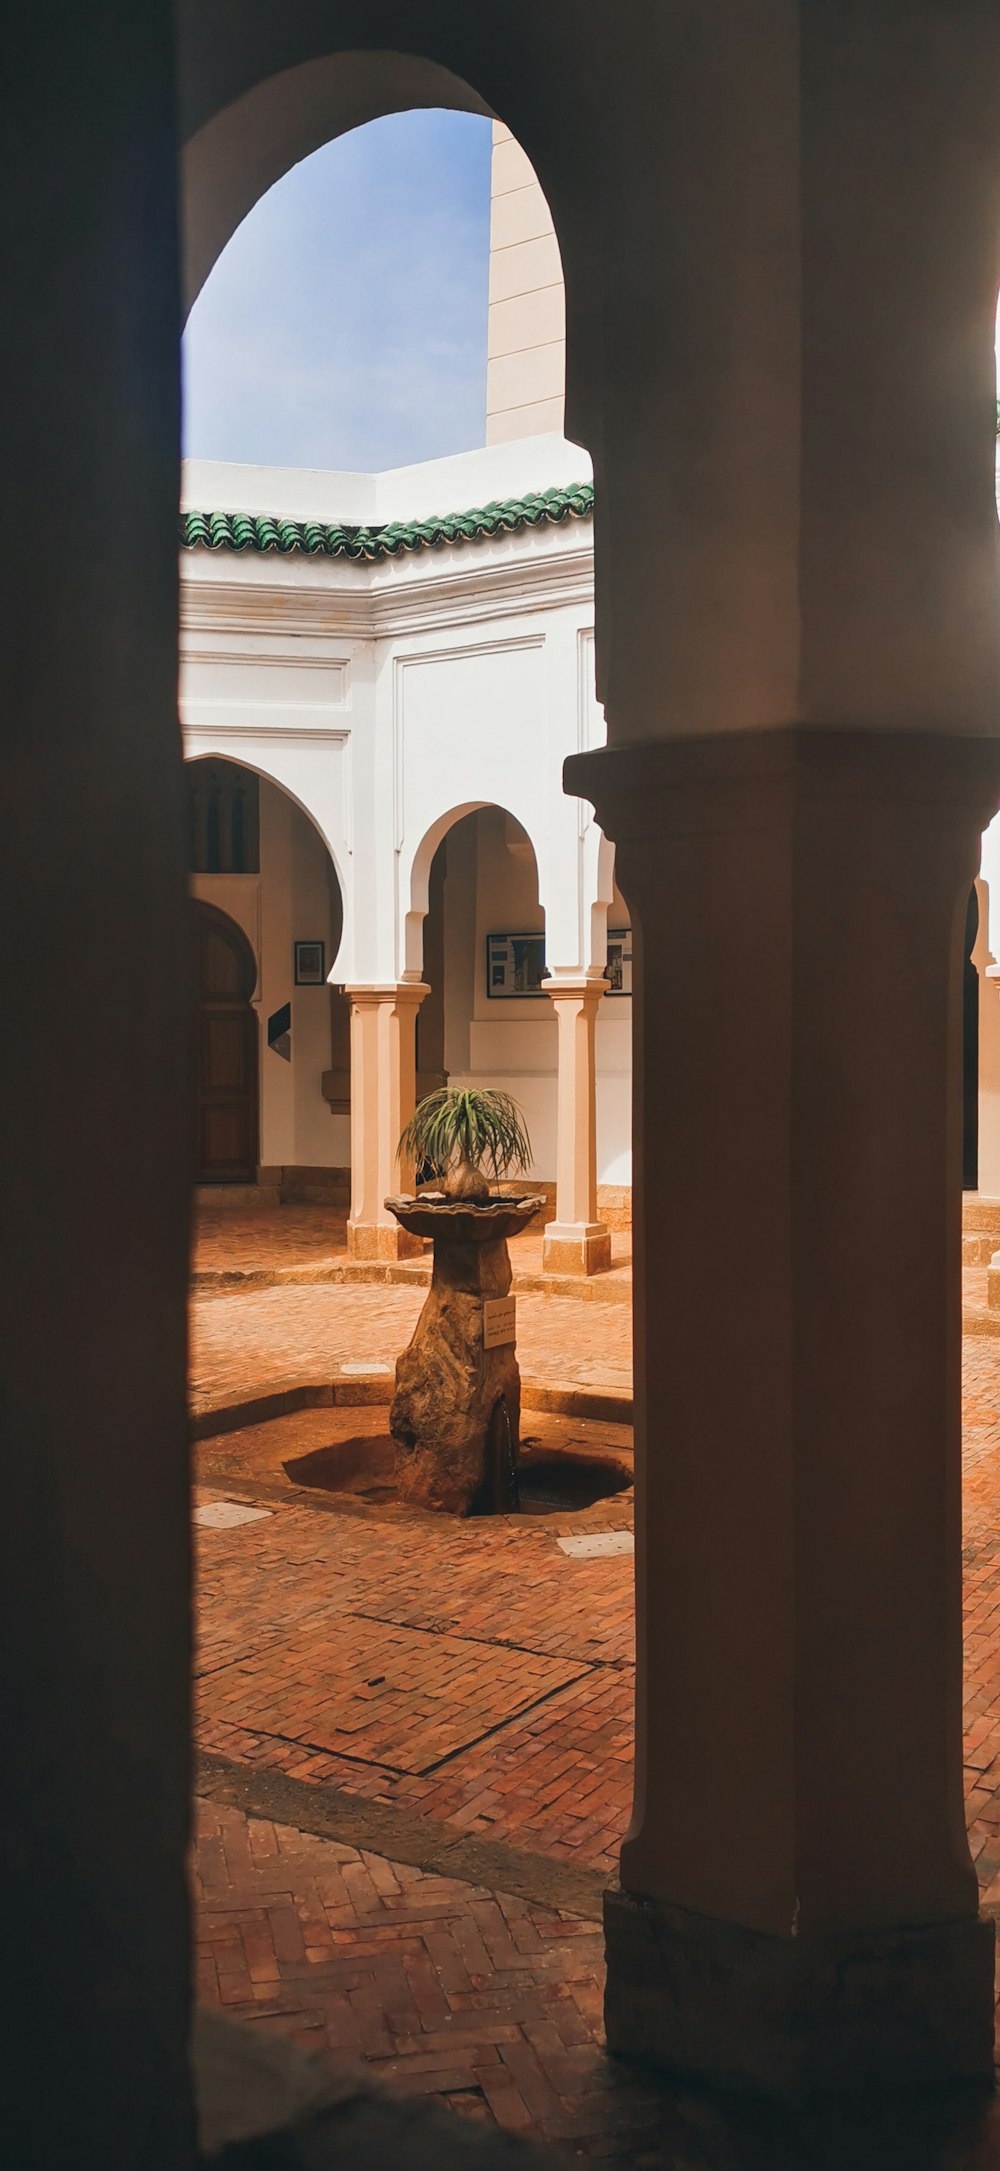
x: 467, y: 1135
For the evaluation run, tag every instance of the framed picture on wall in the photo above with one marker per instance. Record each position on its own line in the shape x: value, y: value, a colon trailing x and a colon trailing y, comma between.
x: 618, y: 970
x: 310, y: 964
x: 515, y: 966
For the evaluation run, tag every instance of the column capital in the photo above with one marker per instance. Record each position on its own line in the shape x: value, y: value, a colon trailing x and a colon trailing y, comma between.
x: 586, y: 987
x: 399, y: 992
x: 654, y: 787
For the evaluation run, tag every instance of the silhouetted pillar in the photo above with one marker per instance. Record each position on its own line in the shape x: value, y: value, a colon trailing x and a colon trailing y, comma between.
x: 988, y: 1184
x: 798, y: 1906
x: 576, y: 1242
x: 383, y: 1097
x: 98, y: 1116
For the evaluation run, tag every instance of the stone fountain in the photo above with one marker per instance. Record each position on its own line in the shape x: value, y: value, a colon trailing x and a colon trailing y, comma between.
x: 455, y: 1414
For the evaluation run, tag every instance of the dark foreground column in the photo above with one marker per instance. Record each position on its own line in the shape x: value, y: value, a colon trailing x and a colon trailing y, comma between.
x: 97, y: 1124
x: 798, y: 1906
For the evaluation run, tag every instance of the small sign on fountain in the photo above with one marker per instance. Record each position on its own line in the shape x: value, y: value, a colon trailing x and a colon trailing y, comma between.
x: 499, y: 1322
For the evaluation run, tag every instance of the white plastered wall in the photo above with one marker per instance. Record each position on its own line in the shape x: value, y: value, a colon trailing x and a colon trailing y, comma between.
x: 388, y: 699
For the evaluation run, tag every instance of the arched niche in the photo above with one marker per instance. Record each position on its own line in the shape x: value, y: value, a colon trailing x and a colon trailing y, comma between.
x: 422, y: 864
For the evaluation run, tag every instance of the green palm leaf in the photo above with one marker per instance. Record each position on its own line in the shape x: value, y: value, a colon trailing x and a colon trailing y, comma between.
x: 466, y: 1126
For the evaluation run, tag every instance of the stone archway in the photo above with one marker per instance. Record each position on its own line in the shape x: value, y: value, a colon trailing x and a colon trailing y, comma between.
x: 484, y: 963
x: 796, y: 522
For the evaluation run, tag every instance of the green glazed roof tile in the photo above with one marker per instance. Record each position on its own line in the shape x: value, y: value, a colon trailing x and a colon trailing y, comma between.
x: 261, y: 532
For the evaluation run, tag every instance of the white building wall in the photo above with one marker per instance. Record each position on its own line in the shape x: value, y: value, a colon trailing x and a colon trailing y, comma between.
x: 388, y: 700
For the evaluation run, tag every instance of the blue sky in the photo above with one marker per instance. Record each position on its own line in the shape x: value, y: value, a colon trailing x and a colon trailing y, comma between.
x: 345, y: 324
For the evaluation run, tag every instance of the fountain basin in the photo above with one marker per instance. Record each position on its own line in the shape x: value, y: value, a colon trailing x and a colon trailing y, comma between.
x: 462, y: 1222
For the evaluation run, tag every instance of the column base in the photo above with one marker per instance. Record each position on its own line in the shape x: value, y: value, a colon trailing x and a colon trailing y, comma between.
x: 576, y: 1247
x: 373, y: 1240
x: 787, y: 2017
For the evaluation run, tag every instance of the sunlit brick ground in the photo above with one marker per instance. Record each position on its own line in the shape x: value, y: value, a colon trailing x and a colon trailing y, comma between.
x: 475, y: 1676
x: 268, y: 1339
x: 466, y: 1670
x: 248, y: 1239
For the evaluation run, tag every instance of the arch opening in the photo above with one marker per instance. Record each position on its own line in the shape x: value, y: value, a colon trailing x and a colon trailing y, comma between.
x: 234, y: 157
x: 258, y: 860
x: 486, y: 1021
x: 476, y: 631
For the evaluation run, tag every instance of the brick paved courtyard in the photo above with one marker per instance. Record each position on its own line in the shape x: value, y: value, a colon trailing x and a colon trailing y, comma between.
x: 275, y: 1338
x: 465, y: 1686
x: 471, y: 1671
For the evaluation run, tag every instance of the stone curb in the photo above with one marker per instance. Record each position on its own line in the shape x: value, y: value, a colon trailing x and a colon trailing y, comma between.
x: 607, y: 1405
x: 342, y: 1273
x: 383, y: 1828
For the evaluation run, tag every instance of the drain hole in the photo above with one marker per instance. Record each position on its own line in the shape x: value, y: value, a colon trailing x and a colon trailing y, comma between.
x: 548, y: 1483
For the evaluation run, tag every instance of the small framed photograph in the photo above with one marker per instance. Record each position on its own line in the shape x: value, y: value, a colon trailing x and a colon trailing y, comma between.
x: 618, y: 970
x: 310, y: 964
x: 515, y: 967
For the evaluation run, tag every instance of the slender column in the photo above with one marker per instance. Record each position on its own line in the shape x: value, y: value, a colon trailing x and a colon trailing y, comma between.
x: 983, y: 1212
x: 383, y: 1097
x: 576, y: 1242
x: 989, y: 1054
x: 798, y: 1905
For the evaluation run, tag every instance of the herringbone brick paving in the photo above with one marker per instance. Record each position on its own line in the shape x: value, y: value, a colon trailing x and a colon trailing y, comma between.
x: 493, y: 2005
x: 438, y: 1987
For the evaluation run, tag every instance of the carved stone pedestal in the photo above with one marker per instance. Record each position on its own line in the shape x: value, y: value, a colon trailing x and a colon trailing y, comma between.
x: 456, y: 1409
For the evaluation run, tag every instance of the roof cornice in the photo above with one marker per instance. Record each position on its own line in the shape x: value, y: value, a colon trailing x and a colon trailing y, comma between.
x: 263, y: 532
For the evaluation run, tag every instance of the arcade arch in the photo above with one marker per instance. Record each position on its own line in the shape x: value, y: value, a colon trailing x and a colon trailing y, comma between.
x: 484, y: 966
x: 494, y: 712
x: 763, y: 547
x: 535, y: 1000
x: 286, y: 902
x: 235, y: 156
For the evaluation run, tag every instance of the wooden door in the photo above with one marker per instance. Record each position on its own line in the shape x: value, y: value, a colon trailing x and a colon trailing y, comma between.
x: 227, y: 1051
